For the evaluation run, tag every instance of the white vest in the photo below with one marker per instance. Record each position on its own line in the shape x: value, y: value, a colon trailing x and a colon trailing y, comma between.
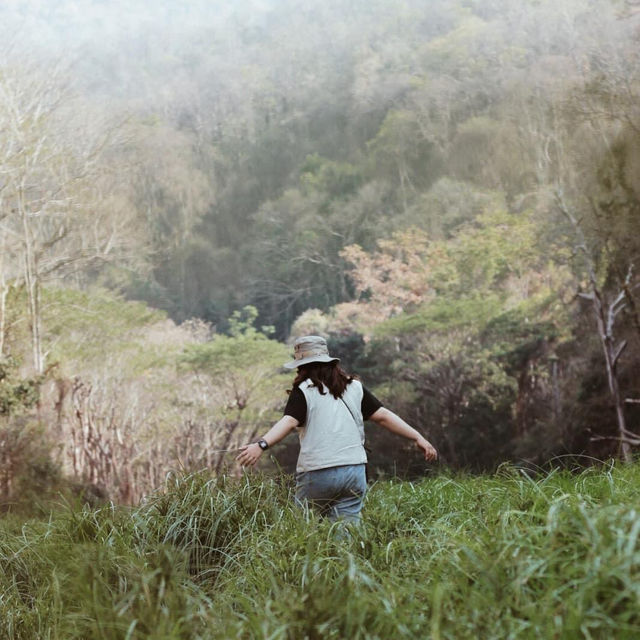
x: 331, y: 437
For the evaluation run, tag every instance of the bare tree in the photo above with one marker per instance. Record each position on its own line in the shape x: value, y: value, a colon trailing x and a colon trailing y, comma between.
x: 605, y: 312
x: 55, y: 209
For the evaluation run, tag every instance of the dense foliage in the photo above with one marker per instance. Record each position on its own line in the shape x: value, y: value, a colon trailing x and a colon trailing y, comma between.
x: 509, y: 555
x: 448, y: 191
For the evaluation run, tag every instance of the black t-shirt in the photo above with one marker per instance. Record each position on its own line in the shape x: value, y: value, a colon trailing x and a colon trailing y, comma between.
x: 297, y: 405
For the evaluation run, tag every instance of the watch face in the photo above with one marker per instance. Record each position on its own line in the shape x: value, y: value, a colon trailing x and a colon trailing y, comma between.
x: 263, y: 445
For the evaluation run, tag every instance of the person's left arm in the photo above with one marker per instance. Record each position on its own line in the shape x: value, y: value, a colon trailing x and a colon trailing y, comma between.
x: 396, y: 424
x: 250, y: 453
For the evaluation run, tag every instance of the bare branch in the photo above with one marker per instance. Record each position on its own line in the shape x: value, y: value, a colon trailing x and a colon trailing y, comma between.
x: 618, y: 352
x: 631, y: 441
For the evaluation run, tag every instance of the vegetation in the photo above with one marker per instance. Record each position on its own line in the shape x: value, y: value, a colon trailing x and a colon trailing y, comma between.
x: 449, y: 193
x: 514, y: 554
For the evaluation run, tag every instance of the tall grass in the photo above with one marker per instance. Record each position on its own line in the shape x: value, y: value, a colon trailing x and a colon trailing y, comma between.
x: 452, y: 556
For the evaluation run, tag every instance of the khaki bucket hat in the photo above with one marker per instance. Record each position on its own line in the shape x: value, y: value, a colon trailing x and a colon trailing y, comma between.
x: 307, y: 349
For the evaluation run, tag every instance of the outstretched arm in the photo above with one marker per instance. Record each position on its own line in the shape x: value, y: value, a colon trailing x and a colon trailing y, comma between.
x: 250, y: 453
x: 396, y: 424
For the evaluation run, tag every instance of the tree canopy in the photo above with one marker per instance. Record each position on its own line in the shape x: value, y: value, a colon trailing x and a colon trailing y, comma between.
x: 448, y: 191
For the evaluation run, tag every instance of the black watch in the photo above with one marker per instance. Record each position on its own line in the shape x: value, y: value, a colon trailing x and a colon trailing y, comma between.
x: 263, y: 444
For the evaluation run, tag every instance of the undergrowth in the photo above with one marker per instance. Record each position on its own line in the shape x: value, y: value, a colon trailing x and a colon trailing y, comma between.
x: 452, y: 556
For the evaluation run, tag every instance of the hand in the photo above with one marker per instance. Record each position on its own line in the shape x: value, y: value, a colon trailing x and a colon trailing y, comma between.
x: 249, y: 454
x: 429, y: 451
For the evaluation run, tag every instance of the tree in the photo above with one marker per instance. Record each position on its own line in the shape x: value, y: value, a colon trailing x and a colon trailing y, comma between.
x: 605, y: 312
x: 18, y: 440
x: 53, y: 213
x: 240, y: 372
x: 396, y: 278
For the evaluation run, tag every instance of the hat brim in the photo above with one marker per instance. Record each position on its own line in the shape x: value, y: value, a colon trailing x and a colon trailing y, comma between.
x: 294, y: 364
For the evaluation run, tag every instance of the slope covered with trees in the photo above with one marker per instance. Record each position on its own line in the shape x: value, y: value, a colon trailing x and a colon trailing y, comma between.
x: 449, y: 191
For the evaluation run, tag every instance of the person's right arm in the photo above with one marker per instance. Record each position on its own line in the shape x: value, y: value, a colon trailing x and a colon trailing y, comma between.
x: 250, y: 453
x: 394, y: 423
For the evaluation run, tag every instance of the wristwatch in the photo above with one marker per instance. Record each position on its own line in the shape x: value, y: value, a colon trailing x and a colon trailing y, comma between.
x: 263, y: 444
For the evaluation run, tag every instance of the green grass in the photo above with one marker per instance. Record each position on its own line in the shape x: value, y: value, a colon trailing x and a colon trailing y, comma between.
x: 500, y: 556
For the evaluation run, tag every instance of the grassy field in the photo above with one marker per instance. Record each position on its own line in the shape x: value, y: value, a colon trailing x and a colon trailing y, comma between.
x: 500, y: 556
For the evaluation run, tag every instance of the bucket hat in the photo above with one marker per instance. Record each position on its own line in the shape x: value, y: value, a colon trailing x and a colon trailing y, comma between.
x: 307, y: 349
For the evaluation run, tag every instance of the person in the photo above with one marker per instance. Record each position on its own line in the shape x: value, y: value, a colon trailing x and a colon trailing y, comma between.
x: 328, y: 407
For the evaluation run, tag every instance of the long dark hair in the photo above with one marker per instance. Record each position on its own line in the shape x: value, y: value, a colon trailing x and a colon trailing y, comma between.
x: 324, y: 374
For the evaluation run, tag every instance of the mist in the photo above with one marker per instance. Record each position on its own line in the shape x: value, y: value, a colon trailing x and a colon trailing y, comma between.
x: 444, y: 179
x: 447, y: 191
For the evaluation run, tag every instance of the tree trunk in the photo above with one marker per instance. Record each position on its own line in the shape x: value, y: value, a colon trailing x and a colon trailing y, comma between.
x: 611, y: 356
x: 605, y: 319
x: 4, y: 291
x: 32, y: 285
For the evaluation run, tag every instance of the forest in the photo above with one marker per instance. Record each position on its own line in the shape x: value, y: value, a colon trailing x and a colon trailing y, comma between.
x: 448, y: 191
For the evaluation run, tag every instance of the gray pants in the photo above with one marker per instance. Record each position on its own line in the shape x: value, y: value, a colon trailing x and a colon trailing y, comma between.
x: 335, y: 492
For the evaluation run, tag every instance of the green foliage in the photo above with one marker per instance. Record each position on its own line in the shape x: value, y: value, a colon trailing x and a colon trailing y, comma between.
x: 447, y: 205
x: 246, y: 350
x: 443, y: 315
x: 241, y: 324
x: 474, y: 353
x: 335, y: 179
x: 516, y: 333
x: 479, y: 374
x: 512, y: 554
x: 242, y: 371
x: 17, y: 395
x: 491, y: 153
x: 340, y: 124
x: 30, y: 476
x: 27, y: 470
x: 400, y: 153
x: 497, y: 246
x: 453, y: 50
x: 91, y: 326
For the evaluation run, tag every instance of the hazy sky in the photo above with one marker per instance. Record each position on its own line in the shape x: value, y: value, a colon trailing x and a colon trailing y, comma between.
x: 68, y: 23
x: 115, y: 46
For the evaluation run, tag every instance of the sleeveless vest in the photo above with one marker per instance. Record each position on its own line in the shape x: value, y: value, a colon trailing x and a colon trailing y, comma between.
x: 330, y: 437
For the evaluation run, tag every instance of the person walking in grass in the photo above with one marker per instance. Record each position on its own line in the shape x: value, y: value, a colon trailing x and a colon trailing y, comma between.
x: 329, y: 407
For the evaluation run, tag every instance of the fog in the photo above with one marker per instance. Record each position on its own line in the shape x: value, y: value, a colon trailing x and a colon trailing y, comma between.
x: 227, y: 101
x: 147, y: 50
x: 119, y: 47
x: 433, y: 185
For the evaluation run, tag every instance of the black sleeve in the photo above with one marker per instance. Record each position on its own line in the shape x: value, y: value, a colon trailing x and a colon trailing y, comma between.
x: 296, y: 406
x: 370, y: 404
